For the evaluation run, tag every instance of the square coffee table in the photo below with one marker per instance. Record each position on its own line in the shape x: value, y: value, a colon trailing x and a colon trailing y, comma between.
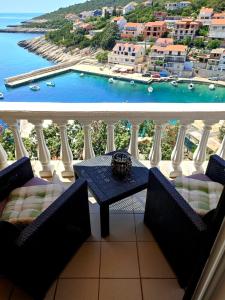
x: 108, y: 189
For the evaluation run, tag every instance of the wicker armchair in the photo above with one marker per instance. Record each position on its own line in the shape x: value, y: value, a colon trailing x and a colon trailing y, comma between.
x: 33, y: 256
x: 184, y: 237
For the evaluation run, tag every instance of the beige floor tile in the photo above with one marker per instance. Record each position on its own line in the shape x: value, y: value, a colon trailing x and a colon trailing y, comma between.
x: 152, y: 262
x: 120, y: 289
x: 161, y: 289
x: 119, y: 260
x: 85, y: 262
x: 95, y: 228
x: 5, y: 288
x: 77, y: 289
x: 142, y: 231
x: 122, y: 228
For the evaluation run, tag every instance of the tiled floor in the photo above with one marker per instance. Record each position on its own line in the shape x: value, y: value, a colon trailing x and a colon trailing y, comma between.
x: 126, y: 265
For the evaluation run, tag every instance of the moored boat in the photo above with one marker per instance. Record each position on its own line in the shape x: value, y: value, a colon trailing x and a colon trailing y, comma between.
x: 150, y: 89
x: 81, y: 74
x: 174, y: 83
x: 111, y: 80
x: 191, y: 86
x: 50, y: 83
x: 1, y: 95
x: 132, y: 82
x: 212, y: 87
x: 34, y: 87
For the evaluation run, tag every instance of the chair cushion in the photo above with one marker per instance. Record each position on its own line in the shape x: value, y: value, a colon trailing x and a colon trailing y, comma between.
x: 26, y: 203
x: 202, y: 196
x: 36, y: 181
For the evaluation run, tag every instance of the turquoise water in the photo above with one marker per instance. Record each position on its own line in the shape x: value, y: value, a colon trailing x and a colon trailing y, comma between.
x: 71, y: 87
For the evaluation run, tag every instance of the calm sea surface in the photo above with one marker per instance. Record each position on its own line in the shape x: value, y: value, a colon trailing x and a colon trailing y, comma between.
x: 71, y: 87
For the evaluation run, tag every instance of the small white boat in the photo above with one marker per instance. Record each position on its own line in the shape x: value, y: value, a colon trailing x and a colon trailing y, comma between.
x: 150, y: 89
x: 191, y: 86
x: 34, y: 87
x: 212, y: 87
x: 132, y: 82
x: 1, y: 95
x: 50, y: 83
x: 111, y: 80
x: 81, y: 74
x: 174, y: 83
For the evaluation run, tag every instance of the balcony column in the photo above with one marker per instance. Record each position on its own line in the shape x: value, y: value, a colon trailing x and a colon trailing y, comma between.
x: 66, y: 153
x: 43, y: 152
x: 88, y: 151
x: 221, y: 150
x: 110, y: 137
x: 3, y: 158
x: 200, y: 153
x: 178, y: 152
x: 133, y: 147
x: 20, y: 148
x: 156, y: 153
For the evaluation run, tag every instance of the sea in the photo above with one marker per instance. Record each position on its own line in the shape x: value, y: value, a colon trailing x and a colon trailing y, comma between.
x: 71, y: 87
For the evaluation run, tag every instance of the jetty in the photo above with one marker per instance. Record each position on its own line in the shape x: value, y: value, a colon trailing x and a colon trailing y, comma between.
x: 42, y: 73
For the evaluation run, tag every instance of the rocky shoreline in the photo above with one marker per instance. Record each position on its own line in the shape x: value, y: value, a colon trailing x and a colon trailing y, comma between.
x: 17, y: 29
x: 50, y: 51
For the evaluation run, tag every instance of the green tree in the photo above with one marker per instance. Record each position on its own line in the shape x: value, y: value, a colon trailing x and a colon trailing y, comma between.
x: 199, y: 43
x: 102, y: 57
x: 213, y: 44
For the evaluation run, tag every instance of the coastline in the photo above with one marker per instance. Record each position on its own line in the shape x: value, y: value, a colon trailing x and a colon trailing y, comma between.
x: 18, y: 29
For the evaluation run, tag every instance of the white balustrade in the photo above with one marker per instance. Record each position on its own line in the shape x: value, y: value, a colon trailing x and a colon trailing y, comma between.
x: 43, y: 152
x: 3, y: 158
x: 110, y: 136
x: 221, y: 150
x: 156, y: 153
x: 178, y: 152
x: 133, y: 147
x: 19, y: 146
x: 88, y: 151
x: 66, y: 153
x: 200, y: 153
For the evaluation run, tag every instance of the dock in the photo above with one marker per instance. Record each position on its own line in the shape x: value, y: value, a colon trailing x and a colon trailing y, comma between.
x: 39, y: 74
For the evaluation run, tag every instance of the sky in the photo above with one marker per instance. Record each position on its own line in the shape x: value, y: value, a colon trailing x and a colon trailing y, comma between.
x: 20, y: 6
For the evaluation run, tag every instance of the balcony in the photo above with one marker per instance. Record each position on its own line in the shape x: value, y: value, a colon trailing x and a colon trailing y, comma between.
x: 129, y: 261
x: 175, y: 59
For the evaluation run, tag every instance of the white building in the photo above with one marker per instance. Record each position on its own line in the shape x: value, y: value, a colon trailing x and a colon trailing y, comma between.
x: 107, y: 10
x: 129, y: 7
x: 216, y: 60
x: 217, y: 29
x: 86, y: 14
x: 205, y: 16
x: 132, y: 30
x: 120, y: 21
x: 127, y: 54
x: 177, y: 5
x: 185, y: 28
x: 148, y: 3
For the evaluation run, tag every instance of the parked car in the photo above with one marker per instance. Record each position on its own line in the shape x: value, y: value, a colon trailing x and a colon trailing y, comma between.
x: 155, y: 75
x: 213, y: 78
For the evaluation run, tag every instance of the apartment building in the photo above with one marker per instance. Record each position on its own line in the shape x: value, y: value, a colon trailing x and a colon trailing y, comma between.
x: 217, y: 29
x: 216, y: 61
x: 219, y: 15
x: 155, y: 29
x: 163, y: 42
x: 185, y: 28
x: 132, y: 30
x: 129, y: 7
x: 107, y: 10
x: 177, y: 5
x: 120, y: 21
x: 205, y: 16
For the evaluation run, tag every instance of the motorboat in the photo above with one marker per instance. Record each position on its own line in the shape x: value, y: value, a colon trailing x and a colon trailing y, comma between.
x: 81, y: 74
x: 212, y: 87
x: 50, y: 83
x: 174, y: 83
x: 34, y: 87
x: 132, y: 82
x: 1, y: 95
x: 191, y: 86
x: 150, y: 89
x: 111, y: 80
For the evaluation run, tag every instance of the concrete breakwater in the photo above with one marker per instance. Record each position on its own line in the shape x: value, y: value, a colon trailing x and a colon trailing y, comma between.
x: 17, y: 29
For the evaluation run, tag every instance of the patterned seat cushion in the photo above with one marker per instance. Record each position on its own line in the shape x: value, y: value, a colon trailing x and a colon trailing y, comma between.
x: 202, y: 196
x: 26, y: 203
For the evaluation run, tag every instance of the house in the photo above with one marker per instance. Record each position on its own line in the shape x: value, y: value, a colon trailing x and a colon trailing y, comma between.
x: 120, y: 21
x: 216, y: 61
x: 185, y: 28
x: 163, y: 42
x: 155, y: 29
x: 86, y: 26
x: 129, y: 7
x: 205, y: 16
x: 97, y: 13
x: 72, y: 17
x: 160, y: 15
x: 86, y: 14
x: 172, y: 57
x: 219, y: 15
x: 127, y: 54
x: 217, y: 29
x: 148, y: 3
x: 107, y: 10
x: 132, y: 30
x: 177, y: 5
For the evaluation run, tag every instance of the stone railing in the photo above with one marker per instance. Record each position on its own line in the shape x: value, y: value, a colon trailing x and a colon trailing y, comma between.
x: 61, y: 113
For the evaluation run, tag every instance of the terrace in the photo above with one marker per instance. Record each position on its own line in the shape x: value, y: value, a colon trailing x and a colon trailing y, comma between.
x: 128, y: 263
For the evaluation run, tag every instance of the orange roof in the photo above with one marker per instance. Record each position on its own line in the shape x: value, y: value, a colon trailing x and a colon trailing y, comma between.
x: 126, y: 45
x: 219, y: 15
x: 156, y: 23
x: 164, y: 40
x: 180, y: 48
x: 218, y: 22
x: 206, y: 10
x: 130, y: 24
x: 118, y: 18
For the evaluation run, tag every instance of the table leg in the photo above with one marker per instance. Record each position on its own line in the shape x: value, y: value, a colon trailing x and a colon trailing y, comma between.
x: 104, y: 217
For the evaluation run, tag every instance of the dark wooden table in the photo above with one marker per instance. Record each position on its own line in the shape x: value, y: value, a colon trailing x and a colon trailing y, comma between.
x: 106, y: 188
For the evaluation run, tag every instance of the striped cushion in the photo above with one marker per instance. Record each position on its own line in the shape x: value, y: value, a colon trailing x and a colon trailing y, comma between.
x: 202, y: 196
x: 26, y: 203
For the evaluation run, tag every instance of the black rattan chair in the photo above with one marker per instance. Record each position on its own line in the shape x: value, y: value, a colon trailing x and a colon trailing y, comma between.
x: 33, y: 257
x: 184, y: 237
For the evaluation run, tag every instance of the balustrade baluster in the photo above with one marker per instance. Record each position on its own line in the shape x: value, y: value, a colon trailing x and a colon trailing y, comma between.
x: 3, y: 158
x: 88, y: 151
x: 221, y: 150
x: 156, y: 153
x: 110, y: 137
x: 43, y: 152
x: 133, y: 147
